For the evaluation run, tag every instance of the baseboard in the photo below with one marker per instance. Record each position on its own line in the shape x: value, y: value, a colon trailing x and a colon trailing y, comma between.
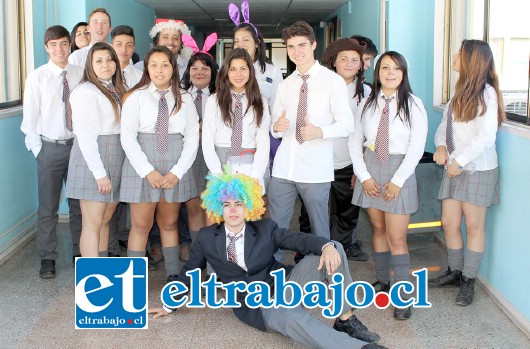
x: 517, y: 318
x: 17, y: 237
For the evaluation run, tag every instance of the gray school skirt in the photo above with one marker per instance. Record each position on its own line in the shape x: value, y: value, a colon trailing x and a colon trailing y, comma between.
x: 136, y: 190
x: 224, y: 154
x: 81, y: 183
x: 200, y: 171
x: 407, y: 199
x: 480, y: 188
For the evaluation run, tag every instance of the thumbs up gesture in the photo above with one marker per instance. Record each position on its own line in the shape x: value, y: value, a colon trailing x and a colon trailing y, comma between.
x: 310, y: 131
x: 282, y: 124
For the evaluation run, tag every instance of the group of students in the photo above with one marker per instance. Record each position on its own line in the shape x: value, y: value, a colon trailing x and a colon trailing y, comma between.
x: 114, y: 133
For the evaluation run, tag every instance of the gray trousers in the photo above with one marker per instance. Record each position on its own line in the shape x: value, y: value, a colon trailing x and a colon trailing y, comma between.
x: 299, y: 324
x: 52, y: 170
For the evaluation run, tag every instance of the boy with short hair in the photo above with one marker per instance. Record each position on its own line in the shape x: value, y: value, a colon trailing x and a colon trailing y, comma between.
x: 370, y: 52
x: 47, y: 124
x: 123, y: 42
x: 99, y: 27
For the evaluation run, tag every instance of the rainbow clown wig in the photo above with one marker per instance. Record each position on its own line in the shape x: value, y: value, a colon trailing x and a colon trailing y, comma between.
x: 229, y: 186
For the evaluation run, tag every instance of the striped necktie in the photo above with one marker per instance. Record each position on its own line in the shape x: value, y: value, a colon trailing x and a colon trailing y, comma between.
x: 198, y: 104
x: 237, y: 127
x: 449, y: 138
x: 67, y: 105
x: 162, y: 123
x: 231, y: 249
x: 382, y: 138
x: 301, y: 113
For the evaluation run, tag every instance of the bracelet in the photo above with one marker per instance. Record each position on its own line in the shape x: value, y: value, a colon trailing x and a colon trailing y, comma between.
x: 458, y: 167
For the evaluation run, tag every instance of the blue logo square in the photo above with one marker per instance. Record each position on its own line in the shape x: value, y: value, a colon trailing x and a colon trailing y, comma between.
x: 111, y: 293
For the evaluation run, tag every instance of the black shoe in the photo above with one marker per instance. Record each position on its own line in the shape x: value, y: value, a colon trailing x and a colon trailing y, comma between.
x: 466, y: 292
x: 355, y: 253
x: 74, y: 257
x: 172, y: 277
x: 298, y: 257
x: 403, y: 313
x: 381, y: 287
x: 373, y: 346
x: 449, y: 278
x: 113, y: 255
x: 151, y: 264
x: 355, y: 329
x: 47, y: 268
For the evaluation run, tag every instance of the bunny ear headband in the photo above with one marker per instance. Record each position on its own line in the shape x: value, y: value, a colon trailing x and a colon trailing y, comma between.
x: 233, y: 11
x: 208, y: 43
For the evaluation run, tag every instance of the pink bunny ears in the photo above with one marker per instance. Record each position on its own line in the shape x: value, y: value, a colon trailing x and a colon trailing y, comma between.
x: 208, y: 43
x: 233, y: 11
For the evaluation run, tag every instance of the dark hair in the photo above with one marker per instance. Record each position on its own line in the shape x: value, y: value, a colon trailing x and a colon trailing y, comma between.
x: 157, y: 38
x: 73, y: 46
x: 146, y: 79
x: 299, y: 28
x: 207, y: 60
x: 371, y: 49
x: 121, y: 30
x: 56, y: 32
x: 403, y: 91
x: 224, y: 93
x: 261, y: 50
x: 90, y: 76
x: 101, y: 10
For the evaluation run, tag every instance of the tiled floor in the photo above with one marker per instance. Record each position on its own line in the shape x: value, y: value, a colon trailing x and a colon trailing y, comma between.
x: 38, y: 313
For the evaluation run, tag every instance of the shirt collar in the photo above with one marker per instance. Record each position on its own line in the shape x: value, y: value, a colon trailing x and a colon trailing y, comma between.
x: 382, y: 94
x: 229, y: 233
x: 56, y: 69
x: 205, y: 90
x: 312, y: 71
x: 152, y: 88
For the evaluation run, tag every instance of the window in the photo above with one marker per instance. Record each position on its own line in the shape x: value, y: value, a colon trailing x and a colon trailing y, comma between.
x: 10, y: 63
x: 504, y: 25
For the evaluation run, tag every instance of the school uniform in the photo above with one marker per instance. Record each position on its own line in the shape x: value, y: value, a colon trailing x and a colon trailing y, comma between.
x: 48, y: 138
x: 307, y: 168
x: 97, y: 152
x: 216, y: 138
x: 200, y: 170
x: 474, y: 150
x: 140, y: 143
x: 78, y: 57
x: 131, y: 76
x: 406, y: 147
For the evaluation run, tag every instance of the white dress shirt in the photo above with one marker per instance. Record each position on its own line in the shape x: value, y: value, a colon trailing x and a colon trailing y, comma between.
x: 43, y: 112
x: 268, y: 81
x: 78, y: 57
x: 205, y: 95
x: 239, y: 246
x: 341, y: 152
x: 327, y: 108
x: 92, y: 115
x: 408, y: 139
x: 474, y: 140
x: 216, y: 133
x: 131, y: 75
x: 139, y: 115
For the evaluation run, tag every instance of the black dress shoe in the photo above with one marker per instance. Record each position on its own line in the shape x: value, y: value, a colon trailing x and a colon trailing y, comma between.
x: 355, y: 329
x: 355, y: 253
x: 466, y: 292
x: 449, y: 278
x: 113, y: 255
x: 381, y: 287
x: 172, y: 277
x: 373, y: 346
x: 47, y: 268
x: 403, y: 313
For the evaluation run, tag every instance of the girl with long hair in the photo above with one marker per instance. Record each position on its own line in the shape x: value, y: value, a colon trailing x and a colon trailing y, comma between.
x: 80, y: 36
x: 386, y: 146
x: 94, y: 171
x: 465, y: 145
x: 160, y: 136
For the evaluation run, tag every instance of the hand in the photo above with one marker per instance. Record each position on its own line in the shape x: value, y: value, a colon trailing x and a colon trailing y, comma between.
x: 282, y: 124
x: 441, y: 155
x: 159, y: 312
x: 154, y: 178
x: 330, y: 258
x: 353, y: 179
x: 310, y: 132
x: 104, y: 185
x: 371, y: 188
x: 452, y: 170
x: 391, y: 191
x: 169, y: 181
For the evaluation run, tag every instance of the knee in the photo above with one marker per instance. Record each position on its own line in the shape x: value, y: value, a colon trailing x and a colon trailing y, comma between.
x: 167, y: 225
x: 474, y: 228
x: 142, y: 227
x: 193, y: 210
x: 379, y: 228
x: 397, y: 241
x: 449, y: 226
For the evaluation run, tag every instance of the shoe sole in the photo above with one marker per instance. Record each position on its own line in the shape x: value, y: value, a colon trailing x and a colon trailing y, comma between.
x: 462, y: 304
x: 47, y: 276
x: 358, y: 259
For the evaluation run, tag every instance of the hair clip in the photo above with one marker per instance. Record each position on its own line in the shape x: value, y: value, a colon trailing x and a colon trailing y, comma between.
x: 189, y: 41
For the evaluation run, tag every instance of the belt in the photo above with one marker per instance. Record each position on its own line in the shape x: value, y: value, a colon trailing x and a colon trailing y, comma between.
x: 58, y: 141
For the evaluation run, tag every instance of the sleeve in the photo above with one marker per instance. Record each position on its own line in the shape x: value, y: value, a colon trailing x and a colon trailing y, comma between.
x: 418, y: 136
x: 261, y: 158
x: 130, y: 124
x: 277, y: 78
x: 486, y: 126
x: 191, y: 137
x: 341, y: 111
x: 439, y: 137
x: 31, y: 115
x: 277, y: 109
x: 355, y: 145
x: 86, y: 124
x: 208, y: 136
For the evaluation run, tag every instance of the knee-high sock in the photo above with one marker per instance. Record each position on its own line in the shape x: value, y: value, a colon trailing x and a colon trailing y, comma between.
x: 132, y: 253
x: 455, y: 258
x: 171, y: 259
x: 103, y: 253
x: 472, y: 263
x: 382, y: 266
x: 401, y: 267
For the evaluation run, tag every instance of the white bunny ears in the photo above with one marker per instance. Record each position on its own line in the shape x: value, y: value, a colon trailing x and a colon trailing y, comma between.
x: 233, y: 11
x: 208, y: 43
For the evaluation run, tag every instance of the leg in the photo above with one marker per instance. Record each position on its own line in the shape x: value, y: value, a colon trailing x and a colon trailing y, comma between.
x: 381, y: 250
x: 104, y: 232
x: 92, y: 213
x: 114, y: 246
x: 303, y: 220
x: 75, y: 225
x: 142, y: 215
x: 316, y: 199
x: 282, y: 195
x: 167, y: 217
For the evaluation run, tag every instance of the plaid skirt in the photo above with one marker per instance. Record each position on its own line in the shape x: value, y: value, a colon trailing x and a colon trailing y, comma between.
x: 136, y: 190
x: 81, y: 183
x: 200, y: 171
x: 407, y: 199
x: 224, y: 154
x: 480, y: 188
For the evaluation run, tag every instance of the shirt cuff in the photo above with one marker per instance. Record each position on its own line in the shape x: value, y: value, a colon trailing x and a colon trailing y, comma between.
x: 326, y: 245
x: 167, y: 309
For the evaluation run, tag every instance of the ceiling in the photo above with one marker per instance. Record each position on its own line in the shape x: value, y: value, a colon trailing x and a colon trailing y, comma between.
x: 269, y: 16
